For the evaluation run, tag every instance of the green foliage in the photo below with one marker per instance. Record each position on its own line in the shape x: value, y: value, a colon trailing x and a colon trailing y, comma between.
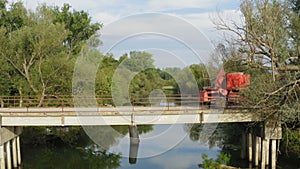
x: 78, y: 24
x: 144, y: 83
x: 210, y: 163
x: 104, y: 77
x: 35, y: 48
x: 74, y: 136
x: 188, y: 80
x: 295, y: 26
x: 14, y: 18
x: 291, y: 141
x: 201, y: 75
x: 50, y: 135
x: 267, y: 47
x: 143, y: 129
x: 65, y: 157
x: 220, y: 135
x: 138, y: 61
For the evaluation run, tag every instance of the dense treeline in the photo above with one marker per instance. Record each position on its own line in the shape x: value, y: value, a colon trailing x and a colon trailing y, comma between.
x: 38, y: 51
x: 39, y: 48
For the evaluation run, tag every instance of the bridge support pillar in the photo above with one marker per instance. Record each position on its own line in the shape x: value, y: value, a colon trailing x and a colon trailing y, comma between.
x: 250, y: 147
x: 267, y: 152
x: 257, y: 150
x: 263, y: 154
x: 273, y: 154
x: 10, y: 154
x: 272, y: 132
x: 19, y: 150
x: 2, y: 157
x: 14, y: 152
x: 243, y: 146
x: 134, y: 143
x: 262, y: 144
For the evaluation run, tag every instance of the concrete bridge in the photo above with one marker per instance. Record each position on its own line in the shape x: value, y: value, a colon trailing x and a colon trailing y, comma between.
x: 255, y: 144
x: 68, y: 116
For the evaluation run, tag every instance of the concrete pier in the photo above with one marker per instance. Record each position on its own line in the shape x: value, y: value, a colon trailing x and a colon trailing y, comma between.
x: 262, y: 144
x: 10, y: 154
x: 19, y: 150
x: 2, y: 157
x: 14, y: 152
x: 273, y: 154
x: 263, y: 154
x: 257, y: 150
x: 244, y: 145
x: 134, y: 144
x: 250, y: 147
x: 267, y: 152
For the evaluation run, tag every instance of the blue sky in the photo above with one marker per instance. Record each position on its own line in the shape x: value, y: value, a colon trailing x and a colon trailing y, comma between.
x: 106, y: 11
x: 196, y: 13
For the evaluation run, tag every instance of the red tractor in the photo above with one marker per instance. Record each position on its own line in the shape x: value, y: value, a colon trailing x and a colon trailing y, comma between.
x: 226, y: 87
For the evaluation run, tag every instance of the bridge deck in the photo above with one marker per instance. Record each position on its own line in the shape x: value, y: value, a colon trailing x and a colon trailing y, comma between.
x: 70, y: 116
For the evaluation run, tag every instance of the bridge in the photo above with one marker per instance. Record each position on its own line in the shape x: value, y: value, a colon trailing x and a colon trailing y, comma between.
x: 70, y: 116
x: 17, y: 112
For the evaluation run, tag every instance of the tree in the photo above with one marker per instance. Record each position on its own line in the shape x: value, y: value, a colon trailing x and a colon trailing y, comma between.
x: 14, y: 18
x: 295, y: 26
x: 143, y: 84
x: 79, y: 26
x: 201, y: 75
x: 34, y: 53
x: 138, y: 61
x: 35, y: 48
x: 264, y: 43
x: 263, y: 40
x: 103, y: 81
x: 219, y: 163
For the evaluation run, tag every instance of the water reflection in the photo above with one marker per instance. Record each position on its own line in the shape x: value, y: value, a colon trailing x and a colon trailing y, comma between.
x: 134, y: 144
x: 69, y: 158
x: 160, y: 146
x: 153, y: 139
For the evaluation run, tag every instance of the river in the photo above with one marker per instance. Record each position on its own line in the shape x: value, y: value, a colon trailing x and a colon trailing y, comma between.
x: 160, y: 147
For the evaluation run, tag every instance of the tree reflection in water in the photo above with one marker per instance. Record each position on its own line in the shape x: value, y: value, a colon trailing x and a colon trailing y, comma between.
x: 107, y: 136
x: 69, y: 158
x: 226, y: 136
x: 87, y: 154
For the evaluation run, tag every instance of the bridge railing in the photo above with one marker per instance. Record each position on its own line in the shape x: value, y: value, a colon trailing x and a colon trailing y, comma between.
x: 101, y: 101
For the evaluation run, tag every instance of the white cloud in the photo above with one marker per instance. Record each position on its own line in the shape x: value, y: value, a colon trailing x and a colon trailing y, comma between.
x: 105, y: 18
x: 107, y: 12
x: 179, y: 4
x: 205, y: 21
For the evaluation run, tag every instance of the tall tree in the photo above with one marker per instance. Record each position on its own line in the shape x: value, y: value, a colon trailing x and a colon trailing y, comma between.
x: 265, y: 42
x: 34, y: 52
x: 12, y: 17
x: 79, y: 25
x: 138, y: 61
x: 295, y: 26
x: 35, y: 47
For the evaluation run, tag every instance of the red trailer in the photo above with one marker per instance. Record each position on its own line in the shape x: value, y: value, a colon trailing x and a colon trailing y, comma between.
x: 227, y: 86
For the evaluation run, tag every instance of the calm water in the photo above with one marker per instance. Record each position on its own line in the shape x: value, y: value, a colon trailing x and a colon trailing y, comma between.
x: 160, y: 147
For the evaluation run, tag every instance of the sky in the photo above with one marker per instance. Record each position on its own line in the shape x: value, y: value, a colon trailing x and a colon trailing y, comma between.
x: 172, y: 30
